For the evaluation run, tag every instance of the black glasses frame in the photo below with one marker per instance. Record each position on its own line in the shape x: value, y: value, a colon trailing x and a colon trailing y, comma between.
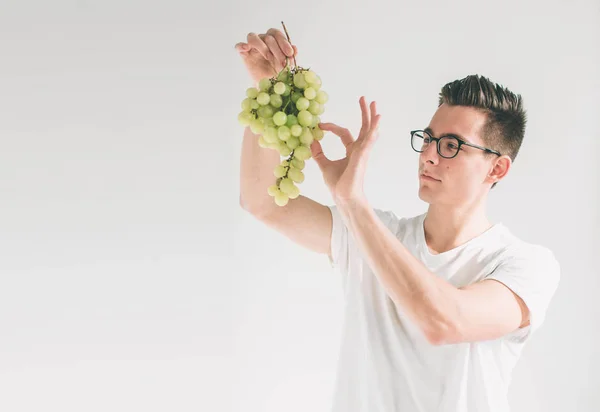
x: 460, y: 143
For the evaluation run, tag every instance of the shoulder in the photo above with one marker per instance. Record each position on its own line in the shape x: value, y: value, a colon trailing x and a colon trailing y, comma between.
x: 401, y: 226
x: 523, y: 259
x: 521, y: 251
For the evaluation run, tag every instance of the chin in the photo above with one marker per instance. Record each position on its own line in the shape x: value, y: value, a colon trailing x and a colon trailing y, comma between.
x: 427, y: 195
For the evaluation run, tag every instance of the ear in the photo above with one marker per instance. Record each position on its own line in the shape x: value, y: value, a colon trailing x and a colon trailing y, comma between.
x: 499, y: 169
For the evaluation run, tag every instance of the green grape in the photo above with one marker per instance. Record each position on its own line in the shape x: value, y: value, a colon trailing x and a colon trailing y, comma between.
x: 295, y: 193
x: 295, y: 96
x: 291, y: 120
x: 302, y: 153
x: 284, y: 150
x: 284, y: 75
x: 245, y: 118
x: 286, y: 185
x: 322, y: 97
x: 266, y: 111
x: 288, y: 129
x: 296, y: 130
x: 272, y: 190
x: 270, y: 134
x: 299, y: 81
x: 280, y: 118
x: 281, y: 199
x: 284, y: 133
x: 279, y: 171
x: 269, y: 121
x: 316, y: 84
x: 246, y: 104
x: 274, y: 146
x: 296, y: 175
x: 292, y: 142
x: 305, y: 118
x: 279, y: 88
x: 314, y: 107
x: 262, y: 143
x: 315, y: 121
x: 252, y: 92
x: 264, y: 84
x: 298, y: 164
x: 318, y: 133
x: 310, y: 93
x: 310, y: 76
x: 302, y: 104
x: 306, y: 138
x: 263, y: 99
x: 256, y: 126
x: 276, y: 100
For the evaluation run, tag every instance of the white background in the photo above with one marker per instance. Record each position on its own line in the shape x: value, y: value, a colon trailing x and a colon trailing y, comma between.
x: 130, y: 279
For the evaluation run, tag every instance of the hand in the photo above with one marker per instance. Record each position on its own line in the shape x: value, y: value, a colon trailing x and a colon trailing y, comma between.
x: 265, y: 54
x: 345, y: 177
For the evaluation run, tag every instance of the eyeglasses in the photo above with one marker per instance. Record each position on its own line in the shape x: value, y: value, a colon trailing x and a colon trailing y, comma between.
x: 447, y: 146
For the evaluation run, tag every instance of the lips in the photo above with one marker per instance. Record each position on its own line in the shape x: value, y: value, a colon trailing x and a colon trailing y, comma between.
x: 428, y: 175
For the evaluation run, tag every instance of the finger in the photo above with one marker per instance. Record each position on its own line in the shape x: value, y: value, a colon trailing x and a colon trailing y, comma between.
x: 373, y: 133
x: 375, y: 127
x: 295, y: 50
x: 318, y: 155
x: 242, y: 47
x: 257, y: 43
x: 274, y: 47
x: 283, y: 42
x: 366, y: 119
x: 342, y: 132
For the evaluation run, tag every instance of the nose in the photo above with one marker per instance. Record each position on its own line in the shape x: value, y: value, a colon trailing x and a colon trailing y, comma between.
x: 430, y: 153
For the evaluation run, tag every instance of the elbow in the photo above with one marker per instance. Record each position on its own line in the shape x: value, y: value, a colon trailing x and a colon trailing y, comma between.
x: 258, y: 211
x: 245, y: 205
x: 443, y: 332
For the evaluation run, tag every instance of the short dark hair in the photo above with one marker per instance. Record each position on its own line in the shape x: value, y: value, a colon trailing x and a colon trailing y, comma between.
x: 506, y: 118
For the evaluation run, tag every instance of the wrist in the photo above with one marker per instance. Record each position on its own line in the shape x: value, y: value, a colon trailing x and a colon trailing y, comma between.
x: 351, y: 204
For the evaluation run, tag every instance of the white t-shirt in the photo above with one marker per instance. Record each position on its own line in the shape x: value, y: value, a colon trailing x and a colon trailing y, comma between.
x: 387, y: 365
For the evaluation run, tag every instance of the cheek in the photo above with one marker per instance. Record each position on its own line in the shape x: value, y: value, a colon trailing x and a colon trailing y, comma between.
x: 463, y: 176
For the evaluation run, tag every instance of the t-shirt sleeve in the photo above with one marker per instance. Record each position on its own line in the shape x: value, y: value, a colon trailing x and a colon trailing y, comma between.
x: 339, y: 241
x: 534, y: 277
x: 342, y: 244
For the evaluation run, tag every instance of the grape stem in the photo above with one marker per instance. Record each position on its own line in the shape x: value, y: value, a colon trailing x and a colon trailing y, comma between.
x: 293, y: 71
x: 290, y: 41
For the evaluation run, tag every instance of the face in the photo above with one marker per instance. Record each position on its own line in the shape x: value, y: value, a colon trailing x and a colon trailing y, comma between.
x: 469, y: 175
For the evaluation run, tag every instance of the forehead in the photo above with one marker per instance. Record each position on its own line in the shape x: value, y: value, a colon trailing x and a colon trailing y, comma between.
x: 466, y: 122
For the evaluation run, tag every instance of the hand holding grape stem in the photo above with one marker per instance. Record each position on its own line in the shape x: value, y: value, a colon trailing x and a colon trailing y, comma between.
x: 266, y: 54
x: 345, y: 177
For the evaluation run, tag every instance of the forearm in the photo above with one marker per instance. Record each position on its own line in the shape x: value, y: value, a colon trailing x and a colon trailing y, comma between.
x: 256, y: 174
x: 427, y: 299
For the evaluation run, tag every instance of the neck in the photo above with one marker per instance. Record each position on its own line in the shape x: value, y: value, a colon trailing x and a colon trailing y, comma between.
x: 447, y: 228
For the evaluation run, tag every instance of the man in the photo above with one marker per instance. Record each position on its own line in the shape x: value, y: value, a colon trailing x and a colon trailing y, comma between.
x: 438, y: 306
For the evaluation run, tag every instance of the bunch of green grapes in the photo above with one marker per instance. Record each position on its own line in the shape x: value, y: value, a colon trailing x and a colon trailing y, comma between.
x: 284, y: 110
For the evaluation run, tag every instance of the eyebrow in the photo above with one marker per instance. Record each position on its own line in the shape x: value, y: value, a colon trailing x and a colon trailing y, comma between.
x: 428, y: 130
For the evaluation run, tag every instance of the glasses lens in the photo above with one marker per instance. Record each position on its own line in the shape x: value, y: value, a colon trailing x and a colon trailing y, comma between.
x: 448, y: 146
x: 419, y: 141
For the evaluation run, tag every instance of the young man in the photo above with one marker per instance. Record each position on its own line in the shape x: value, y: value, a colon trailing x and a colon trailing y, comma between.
x: 440, y: 305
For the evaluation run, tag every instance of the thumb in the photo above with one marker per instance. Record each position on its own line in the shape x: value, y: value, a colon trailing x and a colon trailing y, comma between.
x: 240, y: 47
x: 317, y: 154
